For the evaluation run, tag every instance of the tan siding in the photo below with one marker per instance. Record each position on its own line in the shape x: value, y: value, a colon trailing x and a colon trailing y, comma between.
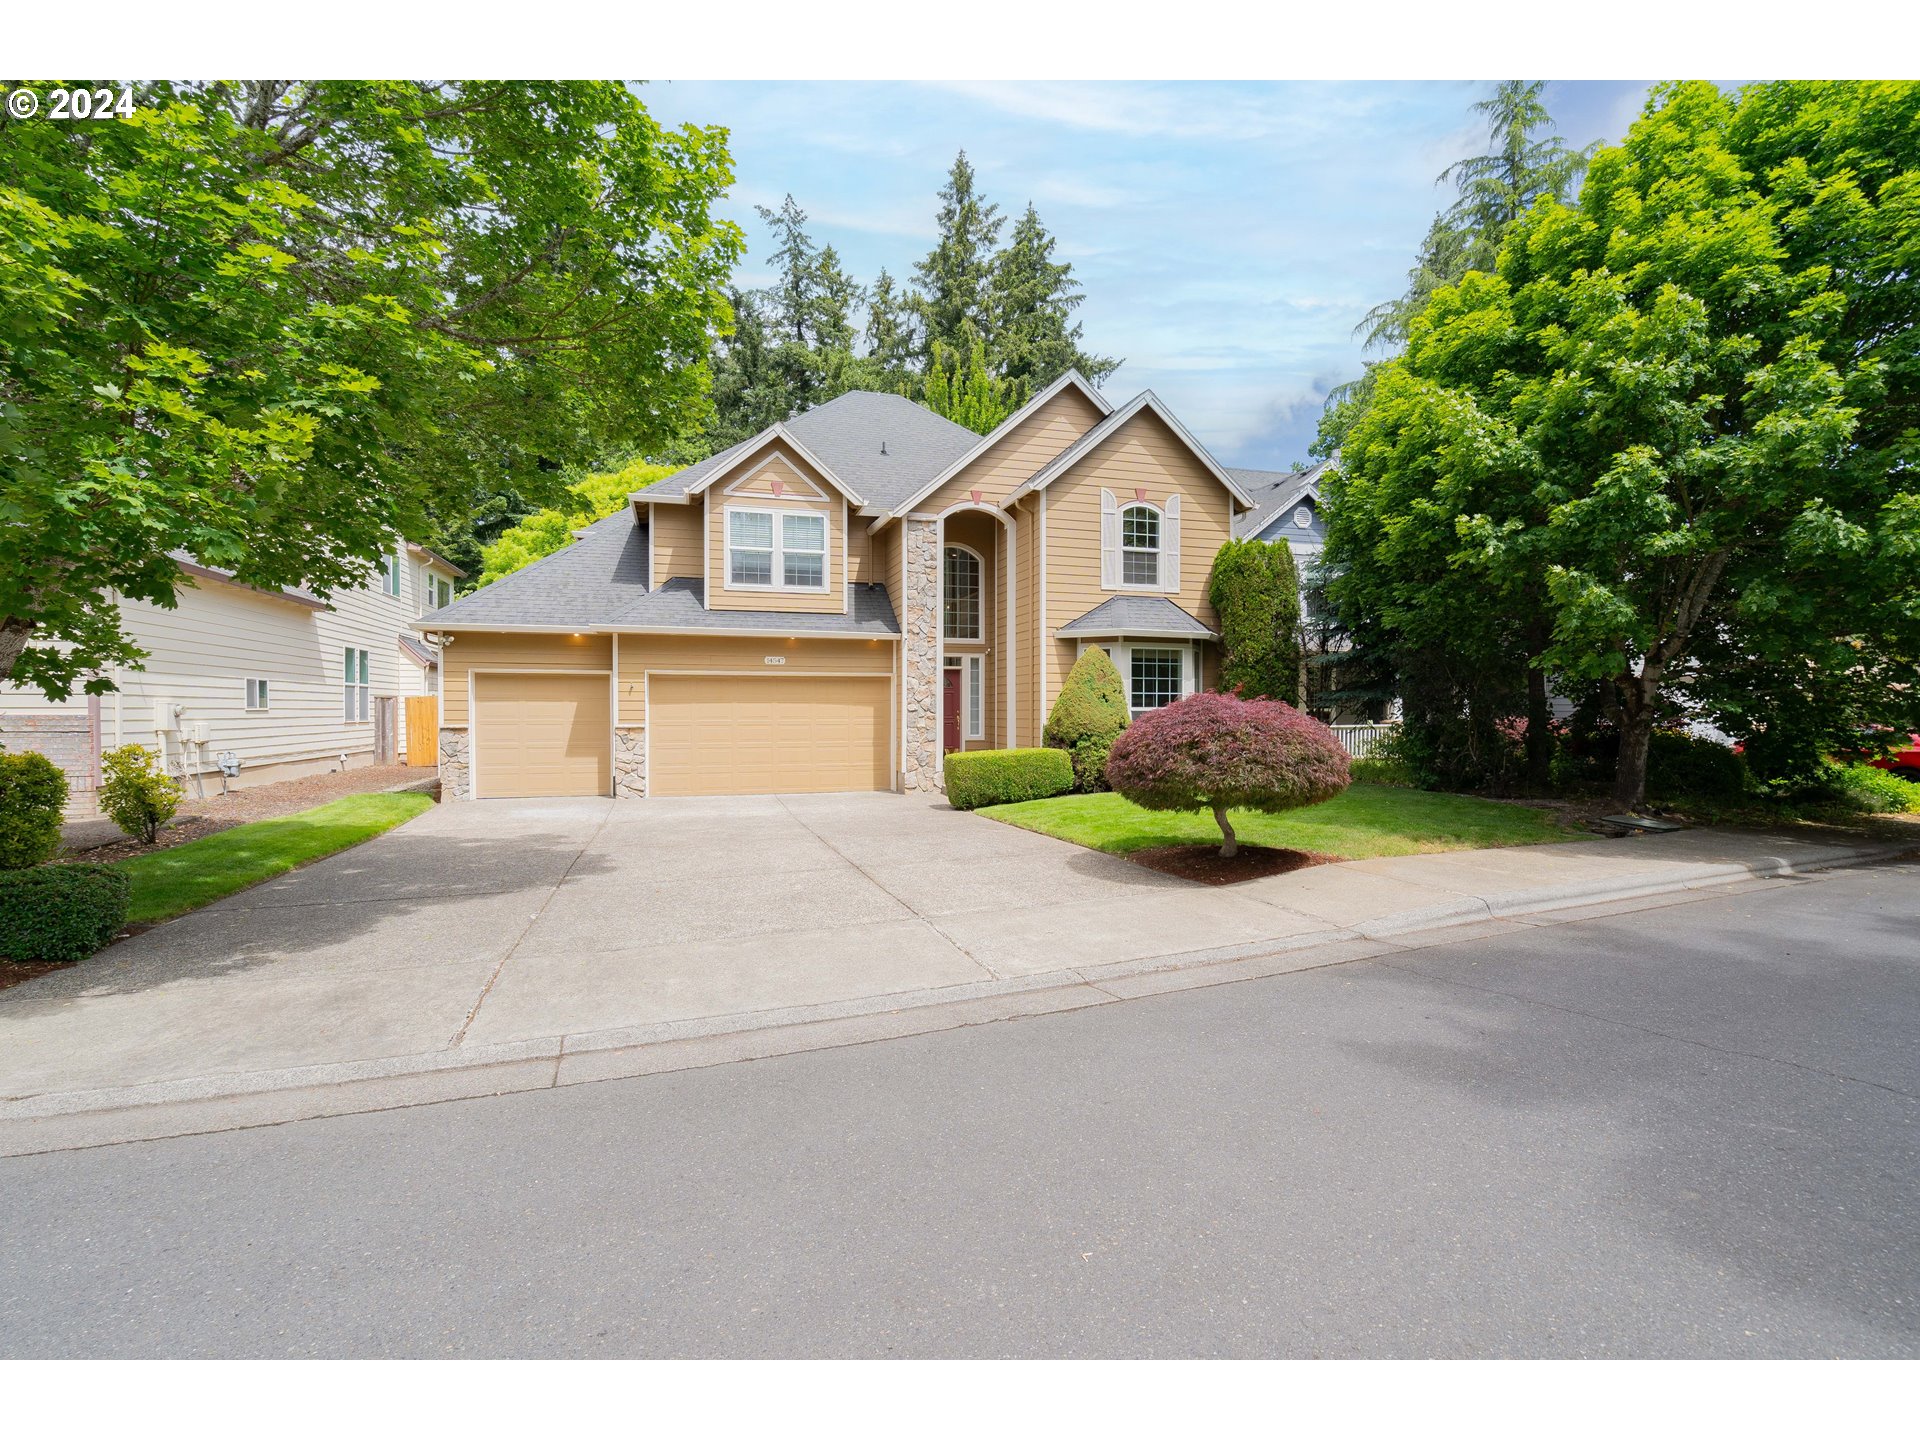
x: 862, y: 566
x: 1143, y: 455
x: 709, y: 653
x: 1027, y: 723
x: 796, y: 474
x: 1014, y: 458
x: 677, y: 533
x: 506, y: 650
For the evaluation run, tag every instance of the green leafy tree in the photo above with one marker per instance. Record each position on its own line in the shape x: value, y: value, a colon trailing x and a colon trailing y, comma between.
x: 1662, y: 420
x: 271, y: 323
x: 1032, y: 298
x: 545, y: 531
x: 1088, y: 716
x: 952, y: 282
x: 1256, y: 591
x: 961, y: 387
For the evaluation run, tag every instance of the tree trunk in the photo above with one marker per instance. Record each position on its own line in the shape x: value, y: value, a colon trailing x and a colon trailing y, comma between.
x: 1539, y: 732
x: 1636, y: 736
x: 14, y: 634
x: 1232, y: 846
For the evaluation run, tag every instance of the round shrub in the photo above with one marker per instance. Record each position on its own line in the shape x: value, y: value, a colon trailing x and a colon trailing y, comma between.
x: 60, y: 912
x: 1221, y: 753
x: 999, y: 777
x: 1679, y: 764
x: 135, y: 796
x: 1088, y: 717
x: 33, y: 793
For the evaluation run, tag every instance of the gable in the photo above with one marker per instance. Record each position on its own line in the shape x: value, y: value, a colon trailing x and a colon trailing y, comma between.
x: 1145, y: 403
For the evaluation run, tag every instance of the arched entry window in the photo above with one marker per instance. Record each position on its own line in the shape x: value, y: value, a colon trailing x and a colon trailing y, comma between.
x: 961, y: 608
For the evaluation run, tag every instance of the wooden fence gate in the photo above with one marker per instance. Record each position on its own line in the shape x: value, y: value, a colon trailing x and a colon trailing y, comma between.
x: 423, y: 730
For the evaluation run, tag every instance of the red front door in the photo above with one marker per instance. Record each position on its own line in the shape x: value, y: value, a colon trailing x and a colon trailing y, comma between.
x: 950, y: 710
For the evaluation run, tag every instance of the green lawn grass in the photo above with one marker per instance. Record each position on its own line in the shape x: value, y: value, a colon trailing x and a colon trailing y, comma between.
x: 1364, y: 822
x: 171, y: 882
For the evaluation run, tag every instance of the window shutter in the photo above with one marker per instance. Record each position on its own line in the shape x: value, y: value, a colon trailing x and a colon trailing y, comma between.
x: 1109, y: 541
x: 1170, y: 546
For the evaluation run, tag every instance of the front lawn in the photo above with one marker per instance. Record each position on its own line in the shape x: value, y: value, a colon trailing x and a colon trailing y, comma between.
x: 171, y: 882
x: 1364, y: 822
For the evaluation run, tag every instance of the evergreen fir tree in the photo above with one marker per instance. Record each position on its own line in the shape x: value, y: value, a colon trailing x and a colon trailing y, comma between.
x: 1032, y: 299
x: 952, y: 280
x: 891, y: 340
x: 797, y: 260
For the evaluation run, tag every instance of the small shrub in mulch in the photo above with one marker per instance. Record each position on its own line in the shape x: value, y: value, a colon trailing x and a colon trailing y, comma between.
x: 1207, y: 865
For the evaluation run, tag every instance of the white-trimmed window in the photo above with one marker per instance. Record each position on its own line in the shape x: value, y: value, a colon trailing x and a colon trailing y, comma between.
x: 771, y: 550
x: 355, y: 691
x: 1154, y: 677
x: 1140, y: 545
x: 390, y: 573
x: 256, y: 694
x: 439, y: 591
x: 976, y: 697
x: 960, y: 608
x: 1155, y: 674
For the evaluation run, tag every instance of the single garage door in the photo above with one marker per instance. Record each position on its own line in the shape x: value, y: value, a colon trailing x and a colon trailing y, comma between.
x: 767, y: 734
x: 541, y: 735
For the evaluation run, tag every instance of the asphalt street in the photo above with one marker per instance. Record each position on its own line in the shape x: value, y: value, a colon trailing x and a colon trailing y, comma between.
x: 1687, y: 1131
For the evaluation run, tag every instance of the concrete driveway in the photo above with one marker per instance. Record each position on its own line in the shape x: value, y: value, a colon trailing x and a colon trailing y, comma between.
x: 533, y: 934
x: 485, y: 924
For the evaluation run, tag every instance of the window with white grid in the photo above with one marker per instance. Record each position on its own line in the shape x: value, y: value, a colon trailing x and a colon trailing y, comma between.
x: 1140, y: 545
x: 961, y: 610
x: 1154, y: 678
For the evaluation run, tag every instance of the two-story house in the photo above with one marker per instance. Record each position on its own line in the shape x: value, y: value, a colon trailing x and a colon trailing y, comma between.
x: 276, y: 683
x: 842, y: 600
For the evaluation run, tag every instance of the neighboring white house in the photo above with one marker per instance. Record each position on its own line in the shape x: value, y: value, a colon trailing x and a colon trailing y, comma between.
x: 282, y: 682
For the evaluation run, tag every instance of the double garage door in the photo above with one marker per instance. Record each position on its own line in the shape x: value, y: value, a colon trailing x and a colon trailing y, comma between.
x: 708, y: 734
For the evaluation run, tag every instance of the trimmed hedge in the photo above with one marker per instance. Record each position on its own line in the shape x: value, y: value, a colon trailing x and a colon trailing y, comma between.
x: 60, y: 912
x: 997, y: 777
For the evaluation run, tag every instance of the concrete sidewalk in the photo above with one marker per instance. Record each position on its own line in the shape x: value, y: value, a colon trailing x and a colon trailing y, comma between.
x: 512, y: 945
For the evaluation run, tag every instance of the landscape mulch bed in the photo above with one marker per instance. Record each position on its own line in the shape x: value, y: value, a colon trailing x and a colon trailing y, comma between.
x: 199, y: 817
x: 1205, y: 864
x: 12, y: 974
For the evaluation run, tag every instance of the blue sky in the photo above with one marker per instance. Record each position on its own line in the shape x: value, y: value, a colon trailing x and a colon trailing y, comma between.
x: 1228, y: 235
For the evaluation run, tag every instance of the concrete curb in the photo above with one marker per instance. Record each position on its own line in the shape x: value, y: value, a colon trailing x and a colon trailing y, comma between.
x: 80, y: 1119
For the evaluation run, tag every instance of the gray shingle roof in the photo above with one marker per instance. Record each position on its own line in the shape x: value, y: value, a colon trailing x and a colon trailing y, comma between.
x: 677, y: 605
x: 1152, y: 615
x: 601, y: 579
x: 421, y: 654
x: 1274, y: 491
x: 581, y: 585
x: 846, y: 434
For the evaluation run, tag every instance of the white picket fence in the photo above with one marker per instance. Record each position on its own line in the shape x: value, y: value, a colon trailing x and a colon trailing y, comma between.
x: 1359, y: 740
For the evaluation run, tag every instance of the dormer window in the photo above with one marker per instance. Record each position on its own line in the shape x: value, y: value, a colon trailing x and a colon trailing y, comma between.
x: 1140, y: 545
x: 769, y: 550
x: 961, y: 609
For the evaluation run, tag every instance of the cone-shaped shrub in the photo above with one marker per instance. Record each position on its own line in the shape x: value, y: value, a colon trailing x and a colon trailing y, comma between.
x: 1088, y: 717
x: 1221, y: 753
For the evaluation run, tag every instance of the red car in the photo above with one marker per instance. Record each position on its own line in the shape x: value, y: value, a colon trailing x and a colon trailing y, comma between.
x: 1904, y: 762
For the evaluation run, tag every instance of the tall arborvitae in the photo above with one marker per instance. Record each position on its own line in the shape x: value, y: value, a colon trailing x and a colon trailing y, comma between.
x: 1032, y: 298
x: 952, y: 281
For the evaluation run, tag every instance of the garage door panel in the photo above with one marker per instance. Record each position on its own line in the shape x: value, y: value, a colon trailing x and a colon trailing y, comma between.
x: 764, y: 735
x: 539, y: 735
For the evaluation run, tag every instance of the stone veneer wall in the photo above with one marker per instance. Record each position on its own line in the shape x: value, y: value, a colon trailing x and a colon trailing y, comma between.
x: 453, y: 765
x: 629, y: 763
x: 920, y: 653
